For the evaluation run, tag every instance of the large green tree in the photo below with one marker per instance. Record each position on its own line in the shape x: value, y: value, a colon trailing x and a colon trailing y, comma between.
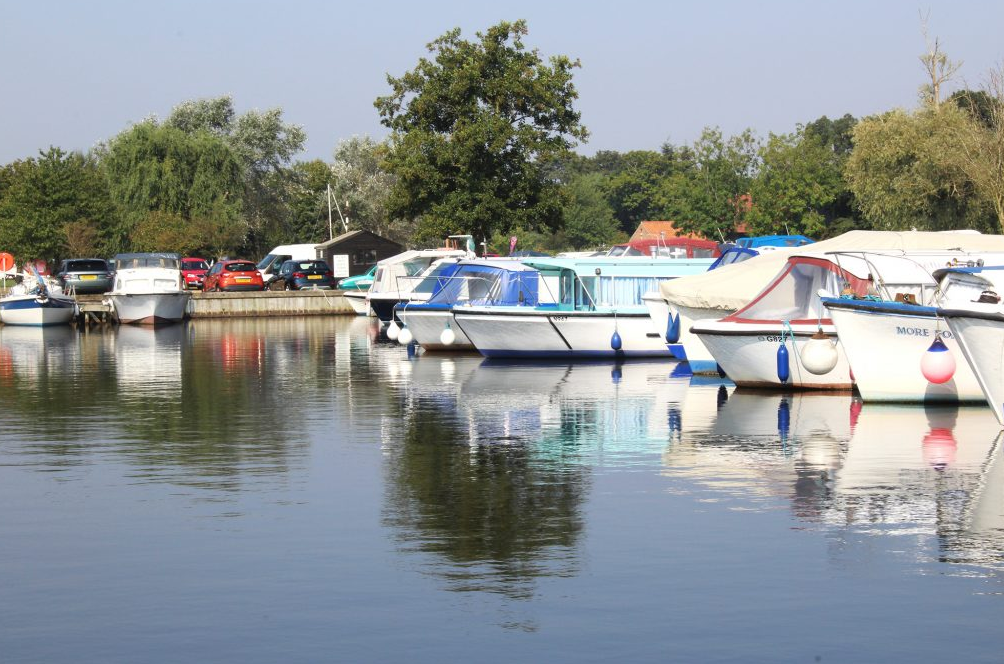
x: 48, y: 203
x: 707, y: 191
x: 159, y: 168
x: 799, y: 178
x: 264, y: 145
x: 474, y: 128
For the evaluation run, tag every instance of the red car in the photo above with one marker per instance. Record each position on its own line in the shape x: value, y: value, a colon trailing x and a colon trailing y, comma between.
x: 233, y: 275
x: 193, y: 271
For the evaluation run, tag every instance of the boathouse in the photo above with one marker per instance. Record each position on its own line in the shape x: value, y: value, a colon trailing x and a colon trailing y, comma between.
x: 363, y: 249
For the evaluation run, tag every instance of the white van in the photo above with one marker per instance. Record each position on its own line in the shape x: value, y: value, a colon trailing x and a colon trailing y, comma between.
x: 269, y: 265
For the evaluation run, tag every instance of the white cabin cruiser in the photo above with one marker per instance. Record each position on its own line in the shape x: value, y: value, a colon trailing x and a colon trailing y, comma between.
x: 149, y: 288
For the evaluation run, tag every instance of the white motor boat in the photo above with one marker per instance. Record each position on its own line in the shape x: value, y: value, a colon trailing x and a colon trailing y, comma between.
x: 886, y: 340
x: 149, y: 289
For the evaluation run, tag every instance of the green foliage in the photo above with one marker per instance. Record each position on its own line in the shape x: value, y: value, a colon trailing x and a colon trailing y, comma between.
x: 264, y: 146
x: 589, y: 218
x: 364, y: 188
x: 906, y: 172
x: 40, y: 197
x: 159, y: 168
x: 799, y: 178
x: 636, y: 186
x: 474, y: 129
x: 706, y: 193
x: 308, y: 207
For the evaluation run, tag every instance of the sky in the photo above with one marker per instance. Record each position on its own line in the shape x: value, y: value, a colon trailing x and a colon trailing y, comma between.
x: 74, y: 74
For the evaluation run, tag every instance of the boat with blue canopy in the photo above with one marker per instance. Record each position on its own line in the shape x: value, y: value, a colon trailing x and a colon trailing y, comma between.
x: 594, y: 309
x: 472, y: 283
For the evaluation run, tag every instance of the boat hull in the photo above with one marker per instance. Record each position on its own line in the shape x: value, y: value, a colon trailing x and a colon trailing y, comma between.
x: 150, y: 308
x: 885, y: 342
x: 748, y: 355
x: 980, y: 335
x: 500, y: 332
x: 37, y: 312
x: 427, y: 327
x: 357, y: 300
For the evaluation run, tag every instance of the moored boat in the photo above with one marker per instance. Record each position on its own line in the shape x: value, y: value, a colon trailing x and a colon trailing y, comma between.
x: 596, y: 311
x: 769, y: 342
x: 885, y: 340
x: 149, y: 289
x: 36, y: 303
x: 473, y: 283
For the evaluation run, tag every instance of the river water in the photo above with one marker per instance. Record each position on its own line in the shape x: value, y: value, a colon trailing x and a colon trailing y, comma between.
x: 296, y: 490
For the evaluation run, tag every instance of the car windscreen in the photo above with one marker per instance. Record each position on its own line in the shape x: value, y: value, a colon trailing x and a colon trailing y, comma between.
x: 241, y: 267
x: 86, y: 266
x: 194, y: 265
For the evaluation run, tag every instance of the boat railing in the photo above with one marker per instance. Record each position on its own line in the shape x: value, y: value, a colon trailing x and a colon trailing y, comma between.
x: 927, y: 293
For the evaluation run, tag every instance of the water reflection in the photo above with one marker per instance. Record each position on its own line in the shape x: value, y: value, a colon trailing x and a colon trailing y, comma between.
x: 855, y: 469
x: 204, y: 404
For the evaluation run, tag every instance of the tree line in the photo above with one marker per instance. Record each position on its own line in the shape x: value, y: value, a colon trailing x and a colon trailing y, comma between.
x: 482, y: 139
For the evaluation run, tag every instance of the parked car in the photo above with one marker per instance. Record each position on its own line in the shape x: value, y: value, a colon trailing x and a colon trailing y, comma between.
x: 194, y: 270
x: 359, y: 281
x: 85, y: 275
x: 305, y: 275
x: 233, y: 275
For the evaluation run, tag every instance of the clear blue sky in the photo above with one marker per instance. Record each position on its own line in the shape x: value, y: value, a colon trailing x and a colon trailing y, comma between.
x: 73, y: 74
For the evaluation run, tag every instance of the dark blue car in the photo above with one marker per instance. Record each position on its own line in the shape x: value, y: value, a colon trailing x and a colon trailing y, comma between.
x: 306, y: 275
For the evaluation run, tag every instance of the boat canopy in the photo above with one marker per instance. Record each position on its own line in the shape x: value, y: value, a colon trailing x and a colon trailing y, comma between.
x: 489, y: 283
x: 733, y: 286
x: 732, y: 255
x: 794, y: 294
x: 587, y: 283
x: 394, y: 274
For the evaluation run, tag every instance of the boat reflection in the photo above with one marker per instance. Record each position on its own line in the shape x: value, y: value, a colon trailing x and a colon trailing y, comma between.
x: 208, y: 404
x: 853, y: 468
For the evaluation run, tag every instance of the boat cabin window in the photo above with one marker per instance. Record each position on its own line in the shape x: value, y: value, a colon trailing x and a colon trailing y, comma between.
x: 622, y: 291
x: 146, y: 261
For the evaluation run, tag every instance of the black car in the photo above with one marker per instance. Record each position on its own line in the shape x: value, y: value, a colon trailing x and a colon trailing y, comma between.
x: 305, y: 275
x: 85, y: 275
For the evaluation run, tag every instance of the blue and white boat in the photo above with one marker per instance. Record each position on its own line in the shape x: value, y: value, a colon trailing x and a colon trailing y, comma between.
x: 37, y: 305
x: 886, y: 339
x: 473, y: 282
x: 594, y: 310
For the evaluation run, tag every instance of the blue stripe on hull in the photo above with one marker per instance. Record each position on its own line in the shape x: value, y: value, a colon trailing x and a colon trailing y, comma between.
x: 607, y: 354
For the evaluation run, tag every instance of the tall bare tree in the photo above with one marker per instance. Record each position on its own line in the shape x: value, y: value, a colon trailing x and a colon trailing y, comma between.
x: 939, y: 68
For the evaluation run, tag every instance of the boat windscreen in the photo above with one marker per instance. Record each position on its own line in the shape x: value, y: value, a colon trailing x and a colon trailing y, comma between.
x: 477, y: 285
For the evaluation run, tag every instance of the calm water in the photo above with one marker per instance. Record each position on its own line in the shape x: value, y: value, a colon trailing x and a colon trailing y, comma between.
x: 296, y: 491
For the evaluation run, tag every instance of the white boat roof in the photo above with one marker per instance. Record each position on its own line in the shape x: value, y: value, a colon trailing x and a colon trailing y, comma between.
x: 732, y: 287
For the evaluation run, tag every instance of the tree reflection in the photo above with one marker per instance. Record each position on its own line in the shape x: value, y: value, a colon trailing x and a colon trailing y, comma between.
x: 496, y: 514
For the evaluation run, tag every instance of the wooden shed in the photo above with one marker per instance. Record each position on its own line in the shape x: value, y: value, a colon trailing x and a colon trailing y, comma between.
x: 363, y: 249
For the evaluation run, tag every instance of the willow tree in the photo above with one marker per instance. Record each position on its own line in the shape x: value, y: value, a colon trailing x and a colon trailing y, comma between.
x: 474, y: 127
